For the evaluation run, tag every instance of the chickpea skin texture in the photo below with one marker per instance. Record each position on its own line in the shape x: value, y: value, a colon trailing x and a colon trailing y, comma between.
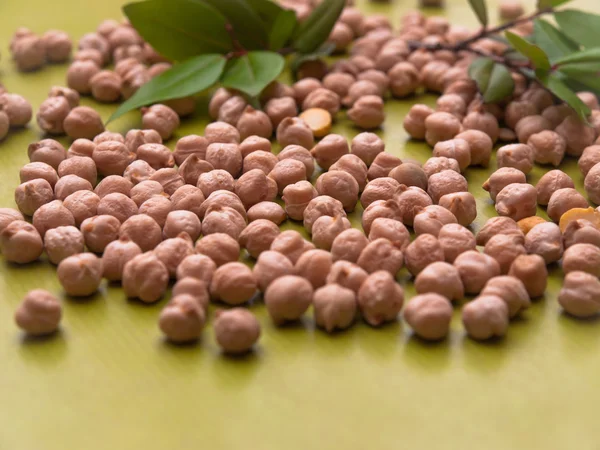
x: 287, y: 298
x: 145, y: 277
x: 440, y: 278
x: 233, y: 283
x: 511, y: 290
x: 580, y: 294
x: 182, y: 319
x: 39, y: 313
x: 532, y: 271
x: 485, y: 317
x: 20, y: 242
x: 80, y: 275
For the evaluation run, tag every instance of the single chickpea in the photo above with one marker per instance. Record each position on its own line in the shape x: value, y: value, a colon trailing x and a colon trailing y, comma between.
x: 583, y: 258
x: 511, y: 290
x: 291, y: 244
x: 52, y: 215
x: 462, y: 205
x: 98, y: 231
x: 81, y: 166
x: 69, y: 184
x: 195, y: 288
x: 589, y: 158
x: 341, y: 186
x: 91, y: 55
x: 432, y: 75
x: 381, y: 209
x: 337, y: 82
x: 287, y: 298
x: 116, y: 255
x: 381, y: 254
x: 334, y: 307
x: 267, y: 210
x: 219, y: 199
x: 457, y: 149
x: 504, y: 249
x: 220, y: 96
x: 258, y: 236
x: 341, y: 36
x: 39, y: 313
x: 29, y: 53
x: 296, y: 197
x: 424, y: 250
x: 327, y: 228
x: 409, y: 174
x: 160, y: 118
x: 592, y: 184
x: 112, y: 184
x: 382, y: 165
x: 232, y: 109
x: 17, y: 108
x: 215, y: 180
x: 97, y: 42
x: 545, y: 239
x: 189, y: 145
x: 188, y: 198
x: 39, y: 170
x: 518, y: 156
x: 455, y: 239
x: 562, y: 200
x: 82, y: 204
x: 144, y: 190
x: 431, y: 219
x: 384, y: 188
x: 236, y: 330
x: 441, y: 126
x: 259, y: 159
x: 145, y: 277
x: 271, y: 265
x: 404, y: 79
x: 80, y: 275
x: 169, y: 179
x: 577, y: 135
x: 119, y: 206
x: 254, y: 122
x: 83, y: 122
x: 47, y: 151
x: 106, y: 86
x: 253, y: 144
x: 233, y: 283
x: 174, y: 250
x: 329, y: 150
x: 367, y: 112
x: 31, y: 195
x: 440, y: 278
x: 348, y: 245
x: 20, y: 242
x: 322, y: 205
x: 359, y: 89
x: 52, y: 113
x: 81, y: 147
x: 367, y: 146
x: 223, y: 219
x: 225, y: 156
x: 380, y: 298
x: 517, y: 201
x: 157, y: 207
x: 109, y: 136
x: 485, y: 317
x: 182, y: 319
x: 475, y: 270
x: 157, y: 156
x: 288, y: 171
x: 453, y: 104
x: 191, y: 169
x: 429, y: 316
x: 548, y: 147
x: 580, y: 294
x: 135, y: 138
x: 532, y: 271
x: 278, y: 109
x: 301, y: 154
x: 141, y: 229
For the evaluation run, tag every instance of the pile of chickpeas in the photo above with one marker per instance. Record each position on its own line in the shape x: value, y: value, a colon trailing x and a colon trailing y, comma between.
x: 128, y: 209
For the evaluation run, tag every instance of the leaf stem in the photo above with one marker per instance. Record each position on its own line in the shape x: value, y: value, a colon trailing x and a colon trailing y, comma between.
x: 239, y: 48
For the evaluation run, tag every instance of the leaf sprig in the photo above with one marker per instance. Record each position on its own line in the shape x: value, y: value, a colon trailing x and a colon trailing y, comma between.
x: 239, y: 43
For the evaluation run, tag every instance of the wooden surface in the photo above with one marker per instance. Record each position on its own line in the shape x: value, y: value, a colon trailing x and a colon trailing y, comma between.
x: 109, y: 381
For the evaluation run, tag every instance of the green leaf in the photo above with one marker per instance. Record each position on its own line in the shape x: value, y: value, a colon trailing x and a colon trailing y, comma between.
x: 543, y: 4
x: 590, y: 55
x: 535, y: 54
x: 584, y: 81
x: 252, y: 72
x: 266, y: 10
x: 558, y: 87
x: 493, y: 80
x: 248, y: 28
x: 282, y: 29
x: 180, y: 32
x: 325, y: 50
x: 480, y: 9
x: 181, y: 80
x: 553, y: 41
x: 316, y: 28
x: 581, y: 69
x: 581, y: 26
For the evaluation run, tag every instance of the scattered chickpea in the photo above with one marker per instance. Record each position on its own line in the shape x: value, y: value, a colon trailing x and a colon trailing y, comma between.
x: 580, y: 294
x: 517, y: 201
x: 83, y: 122
x: 485, y: 317
x: 20, y: 242
x: 145, y: 277
x: 233, y: 283
x: 236, y: 330
x: 31, y: 195
x: 382, y: 165
x: 141, y: 229
x: 532, y: 271
x: 518, y: 156
x: 39, y: 313
x: 182, y: 319
x: 80, y: 275
x: 475, y: 270
x: 335, y: 307
x: 562, y: 200
x: 429, y: 316
x: 258, y: 236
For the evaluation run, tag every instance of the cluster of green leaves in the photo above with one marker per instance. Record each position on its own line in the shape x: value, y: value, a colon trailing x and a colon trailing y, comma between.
x: 239, y: 43
x: 563, y: 56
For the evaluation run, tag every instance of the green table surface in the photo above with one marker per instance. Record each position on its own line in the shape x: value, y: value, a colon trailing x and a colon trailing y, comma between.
x: 109, y: 380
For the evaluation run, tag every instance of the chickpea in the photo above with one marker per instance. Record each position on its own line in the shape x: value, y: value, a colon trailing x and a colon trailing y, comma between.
x: 215, y: 180
x: 33, y: 194
x: 577, y: 135
x: 347, y: 275
x: 580, y: 294
x: 441, y: 126
x: 440, y: 278
x: 259, y: 159
x: 582, y: 257
x: 4, y: 124
x: 39, y: 170
x: 47, y: 151
x: 429, y: 316
x: 548, y: 147
x: 424, y: 250
x: 502, y: 178
x: 392, y: 230
x: 367, y: 112
x: 517, y: 201
x: 348, y: 245
x: 562, y: 200
x: 258, y: 236
x: 233, y: 283
x: 367, y: 146
x: 145, y: 277
x: 20, y: 242
x: 182, y: 319
x: 341, y: 186
x: 530, y: 125
x: 414, y: 122
x: 236, y: 330
x: 545, y: 239
x: 160, y: 118
x: 382, y: 165
x: 29, y: 53
x: 80, y: 275
x: 81, y: 166
x: 455, y: 239
x: 589, y: 158
x: 287, y: 298
x: 223, y: 219
x: 383, y: 209
x: 52, y: 215
x: 82, y: 204
x: 384, y: 188
x: 135, y: 138
x: 254, y: 122
x: 287, y: 172
x: 188, y: 198
x: 381, y: 254
x: 39, y: 314
x: 549, y: 183
x: 457, y: 149
x: 293, y: 130
x: 444, y: 183
x: 297, y: 196
x: 485, y: 317
x: 219, y: 247
x: 83, y: 122
x: 475, y: 270
x: 169, y: 179
x: 225, y: 156
x: 337, y: 82
x: 80, y: 74
x: 532, y: 271
x: 301, y: 154
x: 253, y: 144
x: 304, y: 87
x: 579, y: 232
x: 141, y: 229
x: 504, y: 249
x: 334, y: 307
x: 8, y: 215
x: 52, y: 113
x: 219, y: 199
x: 592, y: 184
x: 462, y: 205
x: 359, y: 89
